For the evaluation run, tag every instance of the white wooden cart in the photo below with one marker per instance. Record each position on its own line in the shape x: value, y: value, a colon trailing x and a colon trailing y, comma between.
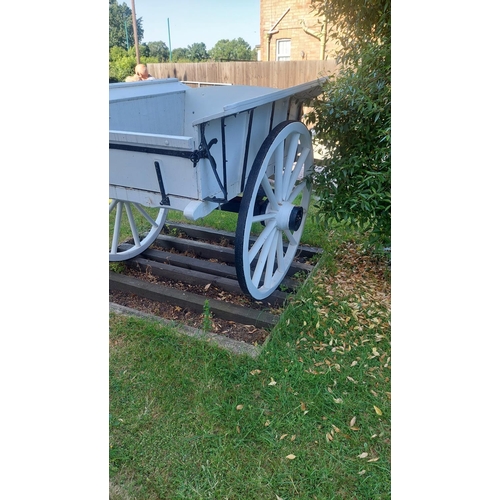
x: 236, y: 148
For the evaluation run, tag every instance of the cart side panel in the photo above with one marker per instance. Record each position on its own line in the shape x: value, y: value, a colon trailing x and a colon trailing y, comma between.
x: 238, y: 140
x: 137, y: 171
x: 155, y: 114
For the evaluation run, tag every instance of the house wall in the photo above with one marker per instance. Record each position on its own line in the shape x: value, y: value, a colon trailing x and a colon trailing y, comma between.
x: 300, y: 24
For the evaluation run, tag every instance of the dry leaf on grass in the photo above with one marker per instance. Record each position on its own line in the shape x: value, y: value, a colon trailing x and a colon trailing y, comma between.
x: 273, y: 382
x: 239, y: 407
x: 378, y: 411
x: 291, y: 456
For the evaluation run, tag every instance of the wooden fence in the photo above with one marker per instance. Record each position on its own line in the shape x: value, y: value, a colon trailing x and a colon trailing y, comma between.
x: 276, y: 74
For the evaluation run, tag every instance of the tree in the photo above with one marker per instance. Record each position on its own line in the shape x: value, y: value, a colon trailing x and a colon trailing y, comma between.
x: 121, y: 27
x: 180, y: 55
x: 353, y: 119
x: 159, y: 50
x: 197, y: 52
x: 232, y: 50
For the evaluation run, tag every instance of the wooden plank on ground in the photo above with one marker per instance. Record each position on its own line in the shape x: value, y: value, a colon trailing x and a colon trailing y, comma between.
x: 209, y: 251
x: 223, y: 310
x: 219, y: 236
x: 169, y: 272
x: 215, y: 268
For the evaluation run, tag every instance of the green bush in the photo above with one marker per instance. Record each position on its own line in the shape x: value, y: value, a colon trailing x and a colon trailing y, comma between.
x: 122, y: 62
x: 352, y: 123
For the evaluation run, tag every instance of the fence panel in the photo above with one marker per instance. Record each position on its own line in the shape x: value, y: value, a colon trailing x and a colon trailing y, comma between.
x: 277, y: 74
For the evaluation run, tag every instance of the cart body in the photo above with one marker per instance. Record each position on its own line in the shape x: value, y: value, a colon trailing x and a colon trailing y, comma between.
x: 199, y: 143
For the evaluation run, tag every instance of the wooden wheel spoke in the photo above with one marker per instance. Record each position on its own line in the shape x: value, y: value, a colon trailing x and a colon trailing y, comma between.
x: 271, y: 259
x: 278, y: 171
x: 261, y: 262
x: 293, y: 143
x: 116, y: 230
x: 266, y: 185
x: 259, y: 242
x: 296, y: 172
x: 133, y: 226
x: 291, y: 237
x: 145, y: 215
x: 298, y: 189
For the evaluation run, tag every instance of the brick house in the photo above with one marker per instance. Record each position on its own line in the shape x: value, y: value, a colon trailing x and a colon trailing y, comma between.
x: 290, y: 30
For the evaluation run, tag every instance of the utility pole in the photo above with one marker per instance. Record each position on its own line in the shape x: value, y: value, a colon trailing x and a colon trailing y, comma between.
x: 136, y: 40
x: 169, y: 42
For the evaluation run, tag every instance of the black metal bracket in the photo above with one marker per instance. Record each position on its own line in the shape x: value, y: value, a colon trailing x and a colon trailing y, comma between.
x: 165, y: 200
x: 205, y: 150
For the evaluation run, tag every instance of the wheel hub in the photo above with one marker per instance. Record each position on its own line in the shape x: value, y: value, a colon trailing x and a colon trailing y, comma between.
x: 289, y: 217
x: 295, y: 219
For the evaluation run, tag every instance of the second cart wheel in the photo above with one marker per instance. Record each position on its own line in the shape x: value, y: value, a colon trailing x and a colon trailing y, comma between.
x: 275, y: 197
x: 143, y: 226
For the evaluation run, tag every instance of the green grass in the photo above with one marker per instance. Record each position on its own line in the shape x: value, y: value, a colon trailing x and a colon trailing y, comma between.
x: 189, y: 420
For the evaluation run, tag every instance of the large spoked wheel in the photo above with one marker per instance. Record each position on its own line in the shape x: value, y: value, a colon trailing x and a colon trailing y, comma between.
x: 132, y: 219
x: 276, y: 197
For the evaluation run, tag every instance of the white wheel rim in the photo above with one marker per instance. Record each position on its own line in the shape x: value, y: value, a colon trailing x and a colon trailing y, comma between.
x: 266, y: 261
x: 144, y: 228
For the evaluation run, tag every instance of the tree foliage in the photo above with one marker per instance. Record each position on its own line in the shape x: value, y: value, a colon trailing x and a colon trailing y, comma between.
x: 121, y: 27
x: 159, y: 50
x: 180, y: 55
x: 197, y: 52
x: 232, y: 50
x: 353, y: 119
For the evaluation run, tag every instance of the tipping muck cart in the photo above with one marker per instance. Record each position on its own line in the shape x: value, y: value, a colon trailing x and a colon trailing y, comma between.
x: 236, y: 148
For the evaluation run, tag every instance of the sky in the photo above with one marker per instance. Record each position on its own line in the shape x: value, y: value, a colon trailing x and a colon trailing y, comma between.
x: 198, y: 21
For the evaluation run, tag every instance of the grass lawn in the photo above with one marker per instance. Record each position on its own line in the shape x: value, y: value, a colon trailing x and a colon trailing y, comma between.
x: 309, y: 418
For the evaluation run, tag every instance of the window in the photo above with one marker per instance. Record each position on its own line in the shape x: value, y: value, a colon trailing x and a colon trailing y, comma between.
x: 283, y: 47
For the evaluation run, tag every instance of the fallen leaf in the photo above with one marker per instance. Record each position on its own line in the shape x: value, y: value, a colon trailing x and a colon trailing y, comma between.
x: 239, y: 407
x: 352, y: 422
x: 267, y: 423
x: 373, y: 459
x: 329, y: 437
x: 354, y: 363
x: 255, y: 372
x: 273, y: 382
x: 283, y: 436
x: 335, y: 428
x: 208, y: 286
x: 293, y: 438
x: 362, y: 472
x: 363, y: 455
x: 378, y: 411
x: 303, y: 406
x: 291, y: 456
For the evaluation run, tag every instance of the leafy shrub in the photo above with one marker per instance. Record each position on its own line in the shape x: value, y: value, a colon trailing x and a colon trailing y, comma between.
x: 352, y: 124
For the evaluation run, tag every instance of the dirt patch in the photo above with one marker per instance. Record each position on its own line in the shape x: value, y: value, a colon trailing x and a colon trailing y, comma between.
x: 244, y: 333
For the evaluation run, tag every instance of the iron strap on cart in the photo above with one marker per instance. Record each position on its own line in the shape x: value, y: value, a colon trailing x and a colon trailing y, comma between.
x: 236, y: 148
